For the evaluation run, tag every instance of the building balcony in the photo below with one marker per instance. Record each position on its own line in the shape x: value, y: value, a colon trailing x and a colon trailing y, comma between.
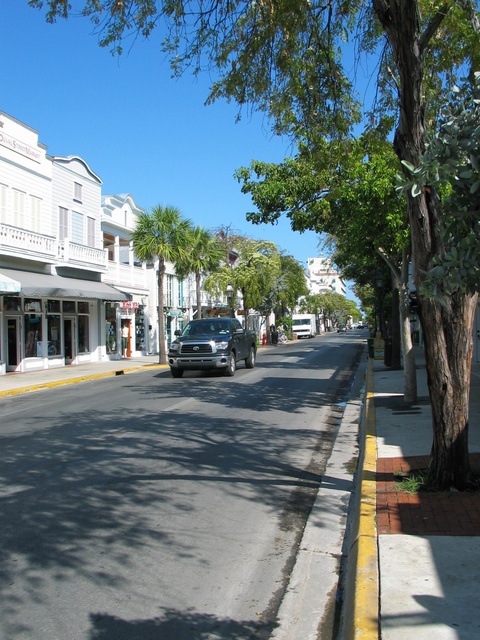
x: 21, y: 243
x: 124, y: 275
x: 79, y: 255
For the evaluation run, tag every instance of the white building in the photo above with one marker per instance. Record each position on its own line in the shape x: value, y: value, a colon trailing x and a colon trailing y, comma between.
x: 322, y: 277
x: 51, y: 245
x: 133, y: 324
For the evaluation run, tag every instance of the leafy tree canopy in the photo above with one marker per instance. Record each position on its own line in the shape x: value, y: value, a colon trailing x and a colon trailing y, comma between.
x: 452, y: 159
x: 291, y: 283
x: 284, y: 57
x: 254, y: 272
x: 204, y: 255
x: 333, y: 305
x: 354, y: 200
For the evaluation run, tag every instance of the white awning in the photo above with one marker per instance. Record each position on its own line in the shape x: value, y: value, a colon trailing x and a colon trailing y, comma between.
x: 8, y: 285
x: 43, y: 285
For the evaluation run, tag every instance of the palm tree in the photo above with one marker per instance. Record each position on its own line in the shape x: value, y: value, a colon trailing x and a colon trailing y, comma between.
x: 205, y: 253
x: 161, y: 235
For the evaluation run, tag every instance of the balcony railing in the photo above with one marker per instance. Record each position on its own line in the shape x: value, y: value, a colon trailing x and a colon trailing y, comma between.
x: 80, y: 255
x: 21, y: 242
x: 126, y: 275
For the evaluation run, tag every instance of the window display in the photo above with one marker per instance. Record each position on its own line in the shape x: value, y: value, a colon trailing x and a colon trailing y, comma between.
x: 33, y: 335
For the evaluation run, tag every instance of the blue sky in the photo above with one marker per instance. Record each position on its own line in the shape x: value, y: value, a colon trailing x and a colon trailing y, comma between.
x: 142, y: 132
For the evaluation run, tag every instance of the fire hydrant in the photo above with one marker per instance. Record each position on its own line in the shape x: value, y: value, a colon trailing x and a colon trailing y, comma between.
x: 264, y: 339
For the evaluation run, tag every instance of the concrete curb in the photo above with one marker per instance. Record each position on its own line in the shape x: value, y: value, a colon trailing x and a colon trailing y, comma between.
x: 84, y: 378
x: 361, y: 619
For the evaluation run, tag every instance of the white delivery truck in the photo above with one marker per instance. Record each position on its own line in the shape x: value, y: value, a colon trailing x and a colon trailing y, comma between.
x: 304, y: 325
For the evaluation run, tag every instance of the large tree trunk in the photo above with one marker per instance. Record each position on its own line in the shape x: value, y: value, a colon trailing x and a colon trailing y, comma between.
x: 447, y: 327
x: 396, y: 360
x: 409, y: 365
x: 448, y: 352
x: 400, y: 282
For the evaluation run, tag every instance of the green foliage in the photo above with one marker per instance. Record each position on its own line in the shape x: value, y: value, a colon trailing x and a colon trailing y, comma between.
x: 311, y: 303
x: 332, y: 305
x: 286, y: 322
x: 410, y: 483
x: 160, y: 235
x: 205, y: 252
x: 346, y: 191
x: 254, y: 273
x: 282, y: 56
x: 204, y: 255
x: 291, y: 283
x: 452, y: 161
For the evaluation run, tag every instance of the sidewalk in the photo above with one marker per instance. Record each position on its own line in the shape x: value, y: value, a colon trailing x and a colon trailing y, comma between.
x: 17, y: 383
x: 418, y: 556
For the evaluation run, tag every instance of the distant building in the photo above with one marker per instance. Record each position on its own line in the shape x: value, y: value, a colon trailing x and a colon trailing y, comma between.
x: 322, y: 277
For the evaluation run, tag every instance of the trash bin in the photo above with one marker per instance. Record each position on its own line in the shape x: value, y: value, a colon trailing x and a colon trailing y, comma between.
x: 387, y: 356
x: 379, y: 347
x: 371, y: 353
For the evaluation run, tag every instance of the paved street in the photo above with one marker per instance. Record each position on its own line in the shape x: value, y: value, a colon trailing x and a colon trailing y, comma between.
x: 139, y: 506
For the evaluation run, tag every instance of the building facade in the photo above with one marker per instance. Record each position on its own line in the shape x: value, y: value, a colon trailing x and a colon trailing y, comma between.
x: 51, y: 245
x: 322, y: 277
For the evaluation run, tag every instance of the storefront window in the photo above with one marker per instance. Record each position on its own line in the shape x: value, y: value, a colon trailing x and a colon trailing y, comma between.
x: 69, y: 306
x: 139, y: 330
x: 53, y: 306
x: 110, y: 329
x: 54, y: 335
x: 32, y: 305
x: 83, y: 334
x: 12, y: 303
x: 33, y: 335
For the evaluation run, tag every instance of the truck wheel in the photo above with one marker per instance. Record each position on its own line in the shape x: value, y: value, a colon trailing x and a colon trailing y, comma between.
x: 250, y: 359
x: 176, y: 373
x: 232, y: 365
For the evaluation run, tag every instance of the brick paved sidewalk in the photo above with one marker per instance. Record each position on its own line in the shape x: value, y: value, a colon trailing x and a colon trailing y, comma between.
x: 451, y: 513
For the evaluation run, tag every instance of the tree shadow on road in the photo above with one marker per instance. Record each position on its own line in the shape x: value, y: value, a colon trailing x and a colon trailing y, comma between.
x: 184, y: 625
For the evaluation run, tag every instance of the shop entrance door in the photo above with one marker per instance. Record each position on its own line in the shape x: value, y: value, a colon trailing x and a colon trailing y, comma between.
x: 69, y: 338
x: 13, y: 343
x: 126, y: 339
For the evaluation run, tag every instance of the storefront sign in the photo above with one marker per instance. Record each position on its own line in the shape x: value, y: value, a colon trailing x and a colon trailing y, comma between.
x: 19, y: 147
x: 218, y: 312
x: 128, y: 304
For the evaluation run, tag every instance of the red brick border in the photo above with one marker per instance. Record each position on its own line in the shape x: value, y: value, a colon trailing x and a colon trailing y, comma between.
x: 450, y: 513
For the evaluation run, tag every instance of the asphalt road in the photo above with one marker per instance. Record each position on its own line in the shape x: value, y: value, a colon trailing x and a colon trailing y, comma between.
x: 144, y: 507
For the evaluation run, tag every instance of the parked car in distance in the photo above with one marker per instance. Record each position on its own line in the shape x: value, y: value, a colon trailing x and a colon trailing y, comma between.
x: 212, y: 343
x: 341, y: 328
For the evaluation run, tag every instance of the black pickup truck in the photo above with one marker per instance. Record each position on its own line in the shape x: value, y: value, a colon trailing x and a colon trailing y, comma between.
x: 216, y: 343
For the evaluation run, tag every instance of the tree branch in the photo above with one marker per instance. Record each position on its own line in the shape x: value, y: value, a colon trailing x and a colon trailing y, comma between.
x: 432, y: 26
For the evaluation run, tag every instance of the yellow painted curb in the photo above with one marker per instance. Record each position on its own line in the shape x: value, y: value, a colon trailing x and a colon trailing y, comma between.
x: 366, y: 615
x: 361, y: 599
x: 84, y: 378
